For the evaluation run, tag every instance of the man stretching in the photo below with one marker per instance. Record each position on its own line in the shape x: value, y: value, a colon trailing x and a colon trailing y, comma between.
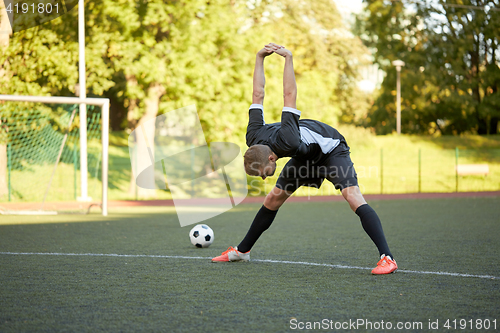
x: 317, y: 151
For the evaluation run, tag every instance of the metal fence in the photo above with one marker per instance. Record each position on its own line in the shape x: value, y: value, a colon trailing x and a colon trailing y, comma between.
x: 385, y: 171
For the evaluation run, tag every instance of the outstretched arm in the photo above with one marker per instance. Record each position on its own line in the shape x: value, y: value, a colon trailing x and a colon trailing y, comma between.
x: 259, y: 80
x: 289, y: 84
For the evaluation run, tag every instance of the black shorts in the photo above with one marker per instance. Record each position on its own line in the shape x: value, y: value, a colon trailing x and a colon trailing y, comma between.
x: 337, y: 167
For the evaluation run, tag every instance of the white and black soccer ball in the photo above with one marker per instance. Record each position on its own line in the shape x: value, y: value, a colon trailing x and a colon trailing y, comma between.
x: 201, y: 235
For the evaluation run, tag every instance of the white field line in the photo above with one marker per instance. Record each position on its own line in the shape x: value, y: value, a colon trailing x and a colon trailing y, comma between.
x: 305, y: 263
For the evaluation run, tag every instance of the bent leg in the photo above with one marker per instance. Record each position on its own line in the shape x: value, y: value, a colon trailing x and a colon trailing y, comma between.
x: 369, y: 218
x: 354, y: 197
x: 264, y: 218
x: 276, y: 198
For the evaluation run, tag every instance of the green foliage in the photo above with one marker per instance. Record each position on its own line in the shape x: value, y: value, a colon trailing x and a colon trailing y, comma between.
x: 450, y: 84
x: 182, y: 52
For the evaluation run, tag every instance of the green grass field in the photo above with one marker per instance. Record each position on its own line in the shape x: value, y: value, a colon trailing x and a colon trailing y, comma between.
x: 151, y: 290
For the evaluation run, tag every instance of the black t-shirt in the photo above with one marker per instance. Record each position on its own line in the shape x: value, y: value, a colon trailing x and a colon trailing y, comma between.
x: 304, y: 139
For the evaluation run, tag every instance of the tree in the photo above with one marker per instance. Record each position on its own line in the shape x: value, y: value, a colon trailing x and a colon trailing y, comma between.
x: 451, y: 78
x: 150, y: 57
x: 328, y: 56
x: 5, y: 32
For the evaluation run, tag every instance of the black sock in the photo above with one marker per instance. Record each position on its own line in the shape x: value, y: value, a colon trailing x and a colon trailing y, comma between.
x: 261, y: 223
x: 373, y: 227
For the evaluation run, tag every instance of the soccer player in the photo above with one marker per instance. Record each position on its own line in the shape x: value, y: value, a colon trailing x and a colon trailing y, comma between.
x: 317, y: 151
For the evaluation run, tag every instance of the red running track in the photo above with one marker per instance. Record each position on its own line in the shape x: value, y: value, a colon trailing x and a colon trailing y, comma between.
x: 248, y: 200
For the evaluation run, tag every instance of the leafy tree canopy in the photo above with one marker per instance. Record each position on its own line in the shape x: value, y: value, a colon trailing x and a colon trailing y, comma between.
x: 451, y: 80
x: 154, y: 56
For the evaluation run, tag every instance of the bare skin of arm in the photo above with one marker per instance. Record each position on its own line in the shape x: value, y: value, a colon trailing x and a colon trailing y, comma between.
x: 259, y: 80
x: 289, y: 84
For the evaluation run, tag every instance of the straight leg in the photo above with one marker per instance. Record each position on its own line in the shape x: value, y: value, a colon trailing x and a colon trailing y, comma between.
x: 369, y: 218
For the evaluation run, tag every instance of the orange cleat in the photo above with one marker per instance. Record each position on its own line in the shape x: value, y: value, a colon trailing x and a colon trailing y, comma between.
x: 232, y: 254
x: 385, y: 265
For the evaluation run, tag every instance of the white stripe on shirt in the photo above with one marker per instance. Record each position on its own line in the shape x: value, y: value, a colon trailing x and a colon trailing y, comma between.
x: 326, y: 144
x: 257, y: 106
x: 292, y: 110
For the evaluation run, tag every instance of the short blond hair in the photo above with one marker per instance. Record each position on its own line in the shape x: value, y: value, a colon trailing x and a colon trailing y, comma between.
x: 256, y: 158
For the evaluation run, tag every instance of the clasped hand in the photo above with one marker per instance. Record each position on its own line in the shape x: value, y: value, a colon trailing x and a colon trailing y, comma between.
x: 274, y: 48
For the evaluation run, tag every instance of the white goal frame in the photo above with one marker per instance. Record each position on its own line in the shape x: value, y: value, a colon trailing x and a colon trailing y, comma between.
x: 101, y: 102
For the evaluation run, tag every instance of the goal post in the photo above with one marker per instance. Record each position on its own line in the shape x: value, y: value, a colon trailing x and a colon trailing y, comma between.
x: 103, y: 103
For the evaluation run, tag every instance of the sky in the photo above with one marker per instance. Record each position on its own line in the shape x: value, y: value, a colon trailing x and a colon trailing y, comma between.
x: 346, y: 7
x: 371, y: 75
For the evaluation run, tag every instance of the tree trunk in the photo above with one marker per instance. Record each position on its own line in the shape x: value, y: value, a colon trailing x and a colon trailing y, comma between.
x: 152, y: 103
x: 5, y: 32
x: 494, y: 125
x: 476, y: 95
x: 132, y: 104
x: 5, y: 28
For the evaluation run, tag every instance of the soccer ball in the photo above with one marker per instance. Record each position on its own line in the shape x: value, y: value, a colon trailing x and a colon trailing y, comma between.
x: 201, y: 235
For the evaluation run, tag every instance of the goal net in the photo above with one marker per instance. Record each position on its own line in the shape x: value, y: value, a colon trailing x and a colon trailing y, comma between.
x: 40, y: 154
